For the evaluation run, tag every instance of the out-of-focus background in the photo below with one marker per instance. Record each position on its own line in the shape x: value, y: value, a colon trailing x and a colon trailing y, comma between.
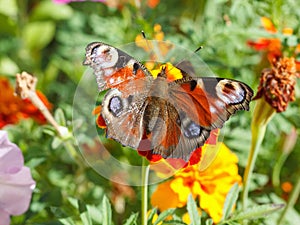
x: 48, y: 39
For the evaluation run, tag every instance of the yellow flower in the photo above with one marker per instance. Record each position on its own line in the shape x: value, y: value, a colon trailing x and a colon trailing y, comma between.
x: 171, y: 71
x: 186, y: 217
x: 209, y: 186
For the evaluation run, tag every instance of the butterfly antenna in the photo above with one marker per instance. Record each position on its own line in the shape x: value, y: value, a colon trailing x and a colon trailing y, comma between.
x: 198, y: 49
x: 153, y: 48
x: 184, y: 63
x: 144, y: 36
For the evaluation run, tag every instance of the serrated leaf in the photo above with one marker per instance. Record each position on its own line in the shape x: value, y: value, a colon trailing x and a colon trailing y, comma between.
x: 106, y: 209
x: 163, y: 216
x: 257, y: 212
x: 38, y: 35
x: 230, y: 201
x: 193, y: 211
x: 132, y: 220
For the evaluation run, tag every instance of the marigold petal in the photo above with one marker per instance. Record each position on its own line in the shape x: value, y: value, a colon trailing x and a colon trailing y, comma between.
x: 164, y: 197
x: 183, y: 191
x: 213, y: 205
x: 268, y: 24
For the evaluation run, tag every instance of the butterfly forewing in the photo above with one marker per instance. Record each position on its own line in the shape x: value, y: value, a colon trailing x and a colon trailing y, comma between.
x: 211, y: 101
x: 112, y: 67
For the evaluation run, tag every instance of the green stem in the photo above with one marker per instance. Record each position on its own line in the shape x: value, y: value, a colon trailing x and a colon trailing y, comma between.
x: 262, y: 114
x: 258, y: 134
x: 277, y: 169
x: 291, y: 202
x: 144, y: 190
x: 287, y: 145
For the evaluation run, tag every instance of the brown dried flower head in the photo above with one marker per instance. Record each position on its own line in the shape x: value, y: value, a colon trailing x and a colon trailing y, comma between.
x: 277, y: 84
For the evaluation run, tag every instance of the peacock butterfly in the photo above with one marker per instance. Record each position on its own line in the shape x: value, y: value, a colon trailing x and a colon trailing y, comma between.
x: 169, y: 118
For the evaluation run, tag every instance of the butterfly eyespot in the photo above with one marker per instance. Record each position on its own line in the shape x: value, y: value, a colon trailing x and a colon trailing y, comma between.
x: 106, y: 51
x: 115, y: 106
x: 229, y: 85
x: 192, y: 130
x: 230, y: 92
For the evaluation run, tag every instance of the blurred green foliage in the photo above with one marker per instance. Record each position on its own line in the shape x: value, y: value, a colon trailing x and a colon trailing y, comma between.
x: 49, y: 40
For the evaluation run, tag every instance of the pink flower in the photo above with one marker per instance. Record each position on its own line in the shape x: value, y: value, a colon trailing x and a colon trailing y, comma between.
x: 16, y: 183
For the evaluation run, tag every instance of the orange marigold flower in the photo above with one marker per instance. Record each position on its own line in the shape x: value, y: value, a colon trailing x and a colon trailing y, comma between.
x: 152, y: 3
x: 273, y: 46
x: 209, y: 186
x: 287, y: 186
x: 277, y: 84
x: 13, y: 108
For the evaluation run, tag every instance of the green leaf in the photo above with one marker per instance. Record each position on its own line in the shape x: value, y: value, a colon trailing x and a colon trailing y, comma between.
x: 95, y: 213
x: 106, y: 209
x: 9, y: 7
x: 67, y: 221
x: 8, y: 66
x: 7, y: 25
x: 151, y: 215
x: 257, y: 212
x: 230, y: 201
x: 56, y: 142
x: 162, y: 216
x: 38, y: 35
x: 48, y: 10
x: 209, y: 222
x: 132, y: 220
x: 193, y: 211
x: 174, y: 222
x: 85, y: 218
x: 60, y: 117
x: 32, y: 163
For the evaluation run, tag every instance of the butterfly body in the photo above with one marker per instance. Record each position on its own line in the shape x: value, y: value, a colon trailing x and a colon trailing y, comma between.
x: 169, y: 118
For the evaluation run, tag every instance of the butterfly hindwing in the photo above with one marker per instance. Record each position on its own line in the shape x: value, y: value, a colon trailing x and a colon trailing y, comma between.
x: 124, y: 117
